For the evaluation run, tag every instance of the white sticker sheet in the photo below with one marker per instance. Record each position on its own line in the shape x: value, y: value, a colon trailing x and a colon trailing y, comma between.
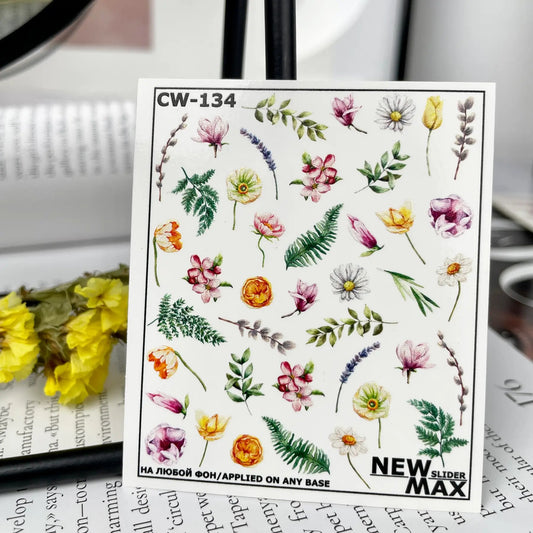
x: 308, y: 297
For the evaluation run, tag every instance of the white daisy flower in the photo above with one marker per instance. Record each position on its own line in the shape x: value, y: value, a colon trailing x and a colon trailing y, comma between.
x: 394, y: 112
x: 454, y: 271
x: 347, y: 441
x: 349, y: 281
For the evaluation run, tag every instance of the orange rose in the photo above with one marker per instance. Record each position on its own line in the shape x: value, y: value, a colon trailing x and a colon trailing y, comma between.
x: 167, y: 236
x: 247, y: 451
x: 257, y: 292
x: 165, y: 361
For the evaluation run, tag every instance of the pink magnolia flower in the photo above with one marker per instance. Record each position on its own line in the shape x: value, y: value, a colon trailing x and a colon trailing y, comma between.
x: 203, y: 276
x: 413, y: 357
x: 304, y: 297
x: 344, y: 111
x: 209, y: 289
x: 293, y: 378
x: 212, y: 132
x: 168, y: 402
x: 450, y: 216
x: 313, y: 189
x: 165, y: 444
x: 360, y: 233
x: 321, y: 170
x: 299, y: 398
x: 268, y: 226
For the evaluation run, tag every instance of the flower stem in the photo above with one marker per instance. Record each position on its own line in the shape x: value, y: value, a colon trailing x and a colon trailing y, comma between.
x: 275, y: 183
x: 427, y: 152
x: 413, y: 247
x: 289, y: 314
x: 379, y: 433
x: 456, y: 300
x: 355, y: 470
x: 203, y: 455
x: 261, y: 250
x: 155, y: 261
x: 190, y: 370
x: 357, y: 129
x: 338, y: 396
x: 234, y: 211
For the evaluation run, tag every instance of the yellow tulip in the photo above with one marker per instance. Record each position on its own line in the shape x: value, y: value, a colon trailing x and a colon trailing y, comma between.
x: 432, y: 117
x: 211, y: 427
x: 398, y: 220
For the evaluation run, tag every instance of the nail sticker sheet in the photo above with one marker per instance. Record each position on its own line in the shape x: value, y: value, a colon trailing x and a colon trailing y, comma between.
x: 308, y: 297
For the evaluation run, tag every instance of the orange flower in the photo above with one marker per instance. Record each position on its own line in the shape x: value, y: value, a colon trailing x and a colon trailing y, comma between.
x: 247, y: 451
x: 257, y: 292
x: 165, y: 361
x: 398, y: 220
x: 167, y: 236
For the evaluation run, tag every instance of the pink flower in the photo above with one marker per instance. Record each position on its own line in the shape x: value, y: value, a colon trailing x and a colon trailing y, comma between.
x: 313, y: 189
x: 450, y: 216
x: 299, y: 398
x: 168, y: 402
x: 304, y: 297
x: 203, y: 276
x: 209, y: 289
x: 293, y: 378
x: 344, y: 111
x: 212, y: 132
x: 165, y: 444
x: 321, y: 170
x: 268, y: 225
x: 360, y: 233
x: 413, y: 357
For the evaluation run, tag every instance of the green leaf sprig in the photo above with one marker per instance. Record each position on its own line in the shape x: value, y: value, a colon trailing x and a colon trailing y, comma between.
x: 436, y: 430
x: 409, y: 288
x: 178, y: 319
x: 198, y: 197
x: 384, y: 171
x: 334, y: 330
x: 311, y: 246
x: 297, y: 453
x: 240, y: 378
x: 299, y: 121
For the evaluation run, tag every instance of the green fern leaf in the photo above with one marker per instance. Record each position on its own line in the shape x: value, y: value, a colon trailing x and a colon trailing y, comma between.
x: 431, y: 452
x: 189, y: 196
x: 311, y: 246
x: 299, y: 454
x: 427, y: 437
x: 204, y: 178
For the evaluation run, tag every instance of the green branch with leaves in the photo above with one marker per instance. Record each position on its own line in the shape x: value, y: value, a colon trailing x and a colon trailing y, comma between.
x: 175, y: 319
x: 311, y: 246
x: 384, y: 171
x: 299, y: 121
x: 436, y: 430
x: 408, y: 288
x: 198, y: 197
x: 298, y: 453
x: 335, y: 328
x: 240, y: 378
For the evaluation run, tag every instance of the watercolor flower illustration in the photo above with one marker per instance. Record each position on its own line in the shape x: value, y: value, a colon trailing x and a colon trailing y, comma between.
x: 432, y: 119
x: 267, y: 226
x: 400, y: 221
x: 464, y: 138
x: 344, y: 111
x: 203, y: 276
x: 265, y: 152
x: 169, y: 402
x: 294, y: 384
x: 362, y: 235
x: 394, y: 112
x: 320, y: 175
x: 304, y: 297
x: 247, y: 450
x: 412, y: 357
x: 210, y: 428
x: 168, y: 239
x: 257, y: 292
x: 349, y: 282
x: 165, y: 361
x: 450, y: 216
x: 243, y: 186
x: 212, y: 132
x: 349, y: 443
x: 453, y: 272
x: 165, y: 444
x: 372, y: 402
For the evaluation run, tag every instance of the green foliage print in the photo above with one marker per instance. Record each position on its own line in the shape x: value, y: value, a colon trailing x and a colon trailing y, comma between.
x: 240, y: 379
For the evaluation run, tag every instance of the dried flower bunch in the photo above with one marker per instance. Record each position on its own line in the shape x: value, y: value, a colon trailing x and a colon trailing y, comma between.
x: 66, y: 332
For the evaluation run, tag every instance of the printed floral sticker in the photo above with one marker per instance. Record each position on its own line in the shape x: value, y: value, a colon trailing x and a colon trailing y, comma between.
x: 307, y: 269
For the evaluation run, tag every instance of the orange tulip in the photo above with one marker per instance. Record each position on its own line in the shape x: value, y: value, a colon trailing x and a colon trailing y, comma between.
x: 165, y: 361
x: 167, y: 236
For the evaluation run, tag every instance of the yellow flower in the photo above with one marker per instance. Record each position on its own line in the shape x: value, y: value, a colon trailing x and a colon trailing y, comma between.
x: 19, y: 344
x: 211, y: 427
x: 432, y: 117
x: 110, y: 296
x: 73, y: 386
x: 398, y: 220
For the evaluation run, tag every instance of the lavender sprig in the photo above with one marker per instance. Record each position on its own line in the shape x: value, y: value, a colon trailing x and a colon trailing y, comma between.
x: 350, y: 367
x: 265, y: 152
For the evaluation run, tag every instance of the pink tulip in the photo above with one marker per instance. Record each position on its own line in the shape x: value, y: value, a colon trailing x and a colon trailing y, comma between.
x: 165, y: 444
x: 212, y: 132
x: 413, y: 357
x: 166, y: 401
